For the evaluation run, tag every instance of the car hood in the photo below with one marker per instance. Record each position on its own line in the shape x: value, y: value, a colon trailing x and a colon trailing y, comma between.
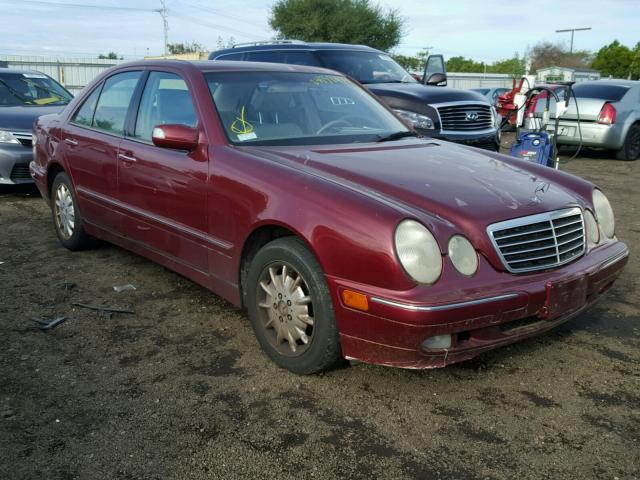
x: 425, y: 93
x: 22, y: 118
x: 436, y: 179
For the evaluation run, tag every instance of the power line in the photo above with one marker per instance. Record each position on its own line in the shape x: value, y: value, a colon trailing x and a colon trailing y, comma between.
x: 44, y: 3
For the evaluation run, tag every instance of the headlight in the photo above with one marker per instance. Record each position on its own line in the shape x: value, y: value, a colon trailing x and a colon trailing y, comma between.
x: 495, y: 116
x: 418, y: 251
x: 7, y: 137
x: 416, y: 119
x: 604, y: 214
x: 463, y: 255
x: 593, y: 233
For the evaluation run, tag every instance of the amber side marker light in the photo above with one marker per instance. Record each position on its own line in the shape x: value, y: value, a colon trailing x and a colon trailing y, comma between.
x: 355, y: 300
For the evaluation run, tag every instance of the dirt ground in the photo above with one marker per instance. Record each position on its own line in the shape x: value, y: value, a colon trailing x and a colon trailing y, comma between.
x: 181, y: 390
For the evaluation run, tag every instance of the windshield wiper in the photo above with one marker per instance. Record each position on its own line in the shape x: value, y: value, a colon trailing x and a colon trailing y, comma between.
x: 13, y: 92
x: 397, y: 136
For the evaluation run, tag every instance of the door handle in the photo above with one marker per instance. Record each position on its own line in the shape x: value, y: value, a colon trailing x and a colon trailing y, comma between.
x: 71, y: 141
x: 126, y: 158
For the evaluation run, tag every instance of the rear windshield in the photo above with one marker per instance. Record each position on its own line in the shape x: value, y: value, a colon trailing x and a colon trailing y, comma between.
x: 31, y: 89
x: 481, y: 91
x: 612, y: 93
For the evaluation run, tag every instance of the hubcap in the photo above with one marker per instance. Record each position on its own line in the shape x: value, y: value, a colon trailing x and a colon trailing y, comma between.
x: 286, y: 309
x: 64, y: 211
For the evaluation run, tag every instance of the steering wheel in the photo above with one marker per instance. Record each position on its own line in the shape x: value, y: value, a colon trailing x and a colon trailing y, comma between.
x: 341, y: 121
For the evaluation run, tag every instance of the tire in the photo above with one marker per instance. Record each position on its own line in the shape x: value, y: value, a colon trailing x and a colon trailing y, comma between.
x: 66, y: 216
x: 290, y: 308
x: 631, y: 149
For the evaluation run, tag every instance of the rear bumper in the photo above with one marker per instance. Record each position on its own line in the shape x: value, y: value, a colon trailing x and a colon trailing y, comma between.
x: 393, y: 330
x: 14, y: 164
x: 593, y: 135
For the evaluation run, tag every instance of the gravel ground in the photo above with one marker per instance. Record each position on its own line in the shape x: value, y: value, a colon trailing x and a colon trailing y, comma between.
x: 181, y: 390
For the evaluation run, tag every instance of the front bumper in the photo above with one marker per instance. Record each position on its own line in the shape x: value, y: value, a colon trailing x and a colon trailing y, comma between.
x: 14, y: 163
x: 507, y: 309
x: 485, y: 139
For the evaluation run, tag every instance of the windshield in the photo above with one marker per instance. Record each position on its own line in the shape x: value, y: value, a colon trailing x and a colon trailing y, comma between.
x: 291, y: 108
x: 613, y: 93
x: 20, y: 89
x: 366, y: 67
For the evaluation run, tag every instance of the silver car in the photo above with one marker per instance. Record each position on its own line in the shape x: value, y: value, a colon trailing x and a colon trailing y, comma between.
x: 609, y: 112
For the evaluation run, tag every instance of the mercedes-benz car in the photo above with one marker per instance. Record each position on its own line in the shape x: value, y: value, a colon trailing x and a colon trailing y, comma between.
x: 24, y: 96
x: 295, y: 193
x: 435, y: 110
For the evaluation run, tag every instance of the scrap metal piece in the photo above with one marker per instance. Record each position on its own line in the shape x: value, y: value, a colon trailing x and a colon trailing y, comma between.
x: 124, y: 288
x: 48, y: 325
x: 106, y: 311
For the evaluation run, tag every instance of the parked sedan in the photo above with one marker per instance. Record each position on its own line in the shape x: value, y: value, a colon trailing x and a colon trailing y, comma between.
x: 295, y: 193
x: 609, y: 117
x: 24, y: 96
x: 492, y: 94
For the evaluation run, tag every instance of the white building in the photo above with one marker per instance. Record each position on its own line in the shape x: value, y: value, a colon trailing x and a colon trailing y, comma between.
x: 564, y: 74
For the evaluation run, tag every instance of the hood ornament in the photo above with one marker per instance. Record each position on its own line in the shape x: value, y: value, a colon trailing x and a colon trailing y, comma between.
x: 472, y: 116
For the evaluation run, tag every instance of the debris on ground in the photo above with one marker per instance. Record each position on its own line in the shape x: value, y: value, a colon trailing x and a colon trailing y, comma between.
x: 106, y: 312
x: 48, y: 324
x: 68, y: 285
x: 124, y: 288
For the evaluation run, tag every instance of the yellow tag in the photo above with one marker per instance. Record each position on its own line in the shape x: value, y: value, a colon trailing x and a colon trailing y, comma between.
x: 240, y: 125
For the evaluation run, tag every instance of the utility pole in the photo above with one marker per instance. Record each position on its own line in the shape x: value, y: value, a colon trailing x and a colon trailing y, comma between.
x: 573, y: 31
x: 165, y: 23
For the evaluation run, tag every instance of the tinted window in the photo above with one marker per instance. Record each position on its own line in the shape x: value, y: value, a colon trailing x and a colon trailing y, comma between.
x: 283, y: 56
x: 31, y: 88
x: 366, y: 67
x: 291, y: 108
x: 84, y: 116
x: 113, y: 104
x: 613, y: 93
x: 231, y: 56
x: 166, y: 100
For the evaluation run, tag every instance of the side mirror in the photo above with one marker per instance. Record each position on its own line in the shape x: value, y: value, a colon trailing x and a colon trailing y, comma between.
x: 178, y: 137
x: 437, y: 79
x: 435, y: 65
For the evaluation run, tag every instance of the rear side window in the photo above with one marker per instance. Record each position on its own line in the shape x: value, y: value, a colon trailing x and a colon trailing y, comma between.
x: 84, y: 115
x: 113, y: 104
x: 294, y: 57
x: 612, y: 93
x: 166, y: 100
x: 231, y: 56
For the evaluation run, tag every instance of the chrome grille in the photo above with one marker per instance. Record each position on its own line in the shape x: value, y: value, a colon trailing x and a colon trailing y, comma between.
x: 539, y: 241
x: 465, y: 117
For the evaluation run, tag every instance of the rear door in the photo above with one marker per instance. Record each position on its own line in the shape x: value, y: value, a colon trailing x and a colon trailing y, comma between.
x: 91, y: 141
x: 164, y: 191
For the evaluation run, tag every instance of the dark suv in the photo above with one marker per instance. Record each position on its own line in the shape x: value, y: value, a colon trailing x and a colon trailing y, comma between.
x: 452, y: 114
x: 24, y: 96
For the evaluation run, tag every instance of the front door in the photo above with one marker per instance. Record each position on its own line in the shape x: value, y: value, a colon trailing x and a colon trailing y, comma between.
x: 163, y: 191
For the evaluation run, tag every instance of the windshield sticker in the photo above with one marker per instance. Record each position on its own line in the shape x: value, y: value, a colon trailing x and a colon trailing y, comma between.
x: 386, y: 58
x: 328, y: 80
x: 240, y: 126
x: 246, y: 136
x: 33, y: 75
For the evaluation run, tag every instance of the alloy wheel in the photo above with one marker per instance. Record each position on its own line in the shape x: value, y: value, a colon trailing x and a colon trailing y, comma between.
x: 64, y: 211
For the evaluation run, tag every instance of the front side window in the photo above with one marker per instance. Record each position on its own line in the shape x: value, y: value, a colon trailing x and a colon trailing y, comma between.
x: 292, y: 108
x: 84, y: 115
x: 31, y: 89
x: 366, y: 67
x: 111, y: 111
x: 165, y: 100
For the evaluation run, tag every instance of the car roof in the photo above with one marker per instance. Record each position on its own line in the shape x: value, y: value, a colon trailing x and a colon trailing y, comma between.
x: 19, y: 70
x: 292, y: 46
x: 614, y: 82
x: 226, y: 65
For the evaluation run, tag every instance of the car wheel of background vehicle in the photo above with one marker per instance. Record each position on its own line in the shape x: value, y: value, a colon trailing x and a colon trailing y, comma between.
x: 66, y: 216
x: 290, y: 308
x: 631, y: 148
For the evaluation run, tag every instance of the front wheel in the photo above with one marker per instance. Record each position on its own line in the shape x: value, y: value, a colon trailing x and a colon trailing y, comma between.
x: 631, y: 148
x: 66, y: 216
x: 290, y: 308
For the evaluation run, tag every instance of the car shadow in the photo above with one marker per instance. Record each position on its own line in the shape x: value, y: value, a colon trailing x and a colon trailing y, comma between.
x: 22, y: 190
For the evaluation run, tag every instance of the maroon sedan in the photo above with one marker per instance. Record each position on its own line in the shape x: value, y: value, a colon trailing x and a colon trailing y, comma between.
x: 294, y: 193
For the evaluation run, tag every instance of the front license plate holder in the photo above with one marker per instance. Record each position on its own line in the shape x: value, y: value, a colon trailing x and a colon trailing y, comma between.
x: 564, y: 297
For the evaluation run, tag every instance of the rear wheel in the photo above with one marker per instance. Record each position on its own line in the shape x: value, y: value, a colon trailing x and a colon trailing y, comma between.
x: 290, y: 308
x: 66, y: 216
x: 631, y: 148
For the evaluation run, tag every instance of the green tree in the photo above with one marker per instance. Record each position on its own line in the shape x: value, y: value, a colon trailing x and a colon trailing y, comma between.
x: 634, y: 69
x: 514, y: 66
x: 614, y: 59
x: 187, y: 47
x: 109, y: 56
x: 343, y: 21
x: 465, y: 65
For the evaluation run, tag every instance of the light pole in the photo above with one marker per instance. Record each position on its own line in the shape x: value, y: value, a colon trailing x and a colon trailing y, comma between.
x: 572, y: 30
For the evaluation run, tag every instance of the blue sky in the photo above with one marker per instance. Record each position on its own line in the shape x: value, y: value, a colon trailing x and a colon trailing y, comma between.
x: 484, y: 30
